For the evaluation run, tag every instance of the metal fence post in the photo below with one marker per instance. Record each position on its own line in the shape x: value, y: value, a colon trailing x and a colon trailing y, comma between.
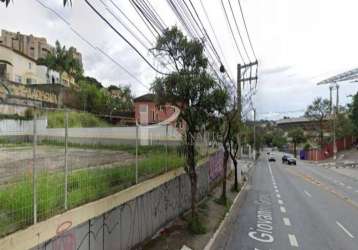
x: 34, y: 142
x: 166, y: 148
x: 66, y: 154
x: 136, y: 154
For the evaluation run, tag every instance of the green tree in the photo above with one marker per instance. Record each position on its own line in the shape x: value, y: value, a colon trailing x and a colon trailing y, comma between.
x: 354, y: 113
x: 190, y: 88
x: 278, y: 140
x: 319, y: 111
x: 62, y: 60
x: 297, y: 136
x: 344, y: 126
x: 225, y: 126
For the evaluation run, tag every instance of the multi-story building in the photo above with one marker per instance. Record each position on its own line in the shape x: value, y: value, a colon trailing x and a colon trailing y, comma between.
x: 20, y: 68
x: 29, y: 45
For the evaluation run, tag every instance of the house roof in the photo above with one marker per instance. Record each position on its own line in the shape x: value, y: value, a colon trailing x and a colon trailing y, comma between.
x: 145, y: 98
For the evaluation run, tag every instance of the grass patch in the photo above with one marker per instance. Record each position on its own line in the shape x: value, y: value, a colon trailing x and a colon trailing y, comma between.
x: 84, y: 185
x: 195, y: 226
x: 75, y: 120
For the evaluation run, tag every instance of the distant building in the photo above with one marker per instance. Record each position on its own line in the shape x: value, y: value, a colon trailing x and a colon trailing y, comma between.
x: 29, y: 45
x: 309, y: 126
x: 147, y: 112
x: 19, y: 68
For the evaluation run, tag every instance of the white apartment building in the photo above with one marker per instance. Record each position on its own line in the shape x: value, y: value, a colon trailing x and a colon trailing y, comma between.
x: 19, y: 68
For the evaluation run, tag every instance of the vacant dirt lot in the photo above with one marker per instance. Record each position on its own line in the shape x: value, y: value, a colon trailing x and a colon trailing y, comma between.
x: 15, y: 161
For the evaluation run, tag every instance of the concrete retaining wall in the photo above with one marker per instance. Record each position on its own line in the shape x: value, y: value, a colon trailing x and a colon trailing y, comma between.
x: 120, y: 221
x: 128, y: 225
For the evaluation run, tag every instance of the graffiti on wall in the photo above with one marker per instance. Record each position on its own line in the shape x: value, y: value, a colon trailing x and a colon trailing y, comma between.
x: 215, y: 165
x: 128, y: 225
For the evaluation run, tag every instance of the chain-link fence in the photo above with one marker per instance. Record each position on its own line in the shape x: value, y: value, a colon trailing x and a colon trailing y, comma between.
x: 61, y: 159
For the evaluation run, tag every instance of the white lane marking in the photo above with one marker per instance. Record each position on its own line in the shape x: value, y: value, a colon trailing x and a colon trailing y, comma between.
x: 276, y: 191
x: 344, y: 229
x: 356, y: 191
x: 293, y: 240
x: 341, y: 183
x: 280, y: 202
x: 349, y: 187
x: 283, y: 209
x: 287, y: 221
x: 308, y: 194
x: 279, y: 196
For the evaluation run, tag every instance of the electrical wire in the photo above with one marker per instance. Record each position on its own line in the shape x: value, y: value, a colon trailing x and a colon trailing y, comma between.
x: 238, y: 31
x: 90, y: 44
x: 247, y: 32
x: 231, y: 31
x: 123, y: 37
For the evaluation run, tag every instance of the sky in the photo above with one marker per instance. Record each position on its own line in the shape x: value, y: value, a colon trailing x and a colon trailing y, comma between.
x: 297, y: 43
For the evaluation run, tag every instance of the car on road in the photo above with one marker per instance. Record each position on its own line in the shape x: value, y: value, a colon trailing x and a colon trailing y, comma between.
x: 284, y: 158
x: 271, y: 158
x: 291, y: 161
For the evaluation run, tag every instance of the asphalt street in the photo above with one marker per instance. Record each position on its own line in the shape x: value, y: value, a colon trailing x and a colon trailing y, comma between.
x: 295, y: 207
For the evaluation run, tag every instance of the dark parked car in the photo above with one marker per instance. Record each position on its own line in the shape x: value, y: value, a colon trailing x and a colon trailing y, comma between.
x: 271, y: 158
x: 291, y: 161
x: 284, y: 158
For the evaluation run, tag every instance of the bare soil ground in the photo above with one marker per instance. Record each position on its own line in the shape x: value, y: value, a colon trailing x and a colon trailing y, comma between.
x: 15, y: 161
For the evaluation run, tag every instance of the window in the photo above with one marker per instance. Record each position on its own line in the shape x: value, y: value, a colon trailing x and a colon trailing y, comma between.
x: 30, y: 81
x: 18, y: 79
x: 30, y: 65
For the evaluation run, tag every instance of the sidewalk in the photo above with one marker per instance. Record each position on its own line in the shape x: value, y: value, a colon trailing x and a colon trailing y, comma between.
x: 176, y: 235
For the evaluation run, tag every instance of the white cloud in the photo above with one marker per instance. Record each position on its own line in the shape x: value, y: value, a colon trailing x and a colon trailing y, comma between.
x: 297, y: 42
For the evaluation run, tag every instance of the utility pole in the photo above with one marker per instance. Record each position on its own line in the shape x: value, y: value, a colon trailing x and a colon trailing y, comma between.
x: 334, y: 124
x: 239, y: 105
x: 241, y: 79
x: 254, y: 135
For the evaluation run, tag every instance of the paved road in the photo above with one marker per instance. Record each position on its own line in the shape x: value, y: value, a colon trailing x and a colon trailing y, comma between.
x: 287, y: 207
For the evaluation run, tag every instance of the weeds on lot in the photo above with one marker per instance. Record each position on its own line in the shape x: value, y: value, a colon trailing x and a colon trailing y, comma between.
x: 75, y: 120
x: 84, y: 185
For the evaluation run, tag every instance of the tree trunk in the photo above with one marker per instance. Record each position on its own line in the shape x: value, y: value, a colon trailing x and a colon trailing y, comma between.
x: 294, y: 149
x: 236, y: 183
x: 190, y: 161
x: 321, y: 134
x: 225, y: 160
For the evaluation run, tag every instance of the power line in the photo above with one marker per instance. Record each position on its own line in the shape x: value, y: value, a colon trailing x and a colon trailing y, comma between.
x: 123, y: 37
x: 186, y: 17
x: 231, y: 31
x: 213, y: 30
x: 91, y: 44
x: 238, y: 31
x: 131, y: 22
x: 247, y: 32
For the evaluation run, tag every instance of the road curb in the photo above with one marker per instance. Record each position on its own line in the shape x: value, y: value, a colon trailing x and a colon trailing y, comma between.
x: 237, y: 199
